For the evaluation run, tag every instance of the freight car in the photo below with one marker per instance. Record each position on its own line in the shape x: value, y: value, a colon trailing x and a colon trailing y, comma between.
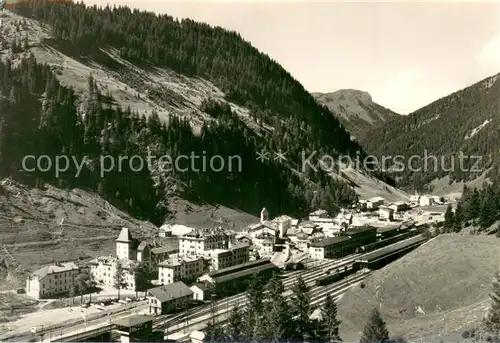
x: 385, y: 242
x: 334, y: 277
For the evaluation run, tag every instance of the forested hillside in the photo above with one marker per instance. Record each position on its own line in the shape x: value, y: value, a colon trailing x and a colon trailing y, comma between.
x: 466, y: 121
x: 40, y: 116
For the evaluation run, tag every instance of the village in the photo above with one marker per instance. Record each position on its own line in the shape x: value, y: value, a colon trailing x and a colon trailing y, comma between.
x: 208, y: 264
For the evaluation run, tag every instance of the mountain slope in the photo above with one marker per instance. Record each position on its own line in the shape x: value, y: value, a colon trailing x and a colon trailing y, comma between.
x: 466, y: 121
x: 355, y: 109
x: 119, y: 70
x: 438, y: 290
x: 135, y: 88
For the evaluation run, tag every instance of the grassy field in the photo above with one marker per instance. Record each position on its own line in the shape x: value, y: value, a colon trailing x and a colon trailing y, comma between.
x: 438, y: 289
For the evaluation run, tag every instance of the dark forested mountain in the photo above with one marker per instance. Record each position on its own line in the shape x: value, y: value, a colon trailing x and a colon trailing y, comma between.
x: 355, y: 109
x: 41, y: 116
x: 466, y: 121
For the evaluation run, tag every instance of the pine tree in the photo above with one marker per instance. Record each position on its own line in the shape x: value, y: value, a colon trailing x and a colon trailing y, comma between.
x: 375, y: 330
x: 328, y: 326
x: 277, y: 312
x: 448, y: 219
x: 301, y: 306
x: 119, y: 281
x: 80, y: 282
x: 492, y: 321
x: 252, y: 328
x: 474, y: 204
x: 255, y: 294
x: 214, y: 331
x: 141, y: 278
x: 488, y: 208
x: 90, y: 284
x: 234, y: 331
x: 458, y: 218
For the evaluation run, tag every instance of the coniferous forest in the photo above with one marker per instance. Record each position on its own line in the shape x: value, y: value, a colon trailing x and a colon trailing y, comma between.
x: 39, y: 116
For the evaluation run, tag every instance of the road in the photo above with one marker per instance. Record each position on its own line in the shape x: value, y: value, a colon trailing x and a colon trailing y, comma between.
x: 80, y: 325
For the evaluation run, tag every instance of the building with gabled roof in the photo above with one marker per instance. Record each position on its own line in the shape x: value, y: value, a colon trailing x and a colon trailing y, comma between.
x: 374, y: 203
x: 169, y: 298
x: 52, y: 280
x: 234, y: 279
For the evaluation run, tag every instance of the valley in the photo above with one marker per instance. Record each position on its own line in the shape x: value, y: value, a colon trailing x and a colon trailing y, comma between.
x: 321, y: 251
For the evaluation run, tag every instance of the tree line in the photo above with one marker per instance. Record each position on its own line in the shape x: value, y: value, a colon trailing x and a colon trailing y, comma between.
x: 269, y: 317
x: 39, y: 116
x: 478, y: 207
x: 460, y: 123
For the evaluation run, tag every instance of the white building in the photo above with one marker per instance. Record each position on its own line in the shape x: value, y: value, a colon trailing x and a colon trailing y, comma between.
x: 398, y: 206
x: 414, y: 198
x: 318, y: 215
x: 129, y: 248
x: 200, y: 291
x: 103, y: 269
x: 174, y: 230
x: 220, y: 258
x: 386, y: 213
x: 197, y: 337
x: 267, y: 246
x: 309, y: 227
x: 374, y: 203
x: 198, y: 241
x: 265, y: 228
x: 129, y: 253
x: 52, y: 280
x: 425, y: 200
x: 283, y: 223
x: 178, y: 268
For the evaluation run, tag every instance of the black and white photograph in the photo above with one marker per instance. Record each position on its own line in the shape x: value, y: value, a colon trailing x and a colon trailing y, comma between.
x: 282, y: 171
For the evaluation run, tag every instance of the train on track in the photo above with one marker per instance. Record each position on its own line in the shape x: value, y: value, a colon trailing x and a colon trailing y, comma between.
x: 336, y: 276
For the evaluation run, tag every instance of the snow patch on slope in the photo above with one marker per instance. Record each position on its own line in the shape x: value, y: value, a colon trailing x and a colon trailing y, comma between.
x: 475, y: 130
x: 367, y: 186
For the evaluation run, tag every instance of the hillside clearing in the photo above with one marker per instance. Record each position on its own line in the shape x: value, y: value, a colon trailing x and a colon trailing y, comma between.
x: 437, y: 290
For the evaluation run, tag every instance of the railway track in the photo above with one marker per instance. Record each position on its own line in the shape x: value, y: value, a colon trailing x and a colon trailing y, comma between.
x: 174, y: 323
x: 317, y: 296
x: 309, y: 277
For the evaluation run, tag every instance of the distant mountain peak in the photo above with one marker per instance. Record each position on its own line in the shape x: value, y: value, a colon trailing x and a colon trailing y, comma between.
x: 354, y: 93
x: 355, y: 109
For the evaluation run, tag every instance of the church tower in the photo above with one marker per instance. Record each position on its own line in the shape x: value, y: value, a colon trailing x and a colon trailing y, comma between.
x: 124, y: 245
x: 264, y: 215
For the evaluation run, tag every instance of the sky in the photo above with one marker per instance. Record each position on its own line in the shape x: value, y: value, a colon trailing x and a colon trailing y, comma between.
x: 405, y: 54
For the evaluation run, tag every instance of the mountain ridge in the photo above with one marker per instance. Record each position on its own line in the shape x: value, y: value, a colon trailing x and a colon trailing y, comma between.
x: 355, y: 109
x: 464, y: 122
x: 108, y: 78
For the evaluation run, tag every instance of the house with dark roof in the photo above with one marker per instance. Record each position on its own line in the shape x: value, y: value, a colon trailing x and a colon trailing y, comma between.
x: 169, y: 298
x: 234, y: 279
x: 52, y: 280
x: 162, y: 253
